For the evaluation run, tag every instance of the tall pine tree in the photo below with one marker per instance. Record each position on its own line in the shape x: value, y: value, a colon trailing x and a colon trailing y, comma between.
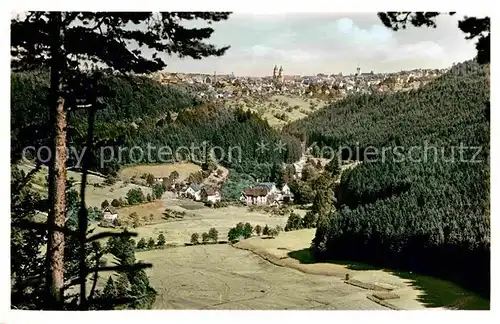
x: 66, y: 43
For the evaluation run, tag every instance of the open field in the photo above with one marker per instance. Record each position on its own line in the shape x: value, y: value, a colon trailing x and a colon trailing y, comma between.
x: 415, y: 291
x: 72, y: 175
x: 290, y: 249
x: 144, y: 210
x: 222, y: 277
x: 96, y: 195
x: 294, y: 107
x: 159, y: 170
x: 198, y: 219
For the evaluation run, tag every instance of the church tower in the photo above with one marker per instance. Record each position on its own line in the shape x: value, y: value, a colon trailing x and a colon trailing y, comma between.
x: 280, y: 74
x: 274, y: 72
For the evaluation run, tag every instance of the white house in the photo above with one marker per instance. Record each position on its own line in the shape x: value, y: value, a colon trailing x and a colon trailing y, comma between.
x: 210, y: 195
x: 255, y: 196
x: 286, y: 193
x: 109, y: 214
x: 261, y: 194
x: 193, y: 191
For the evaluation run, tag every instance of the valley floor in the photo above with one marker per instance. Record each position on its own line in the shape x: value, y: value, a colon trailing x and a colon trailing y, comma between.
x: 222, y: 277
x: 291, y: 250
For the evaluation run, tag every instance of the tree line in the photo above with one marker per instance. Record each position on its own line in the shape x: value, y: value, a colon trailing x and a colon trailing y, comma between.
x: 417, y: 210
x: 139, y: 112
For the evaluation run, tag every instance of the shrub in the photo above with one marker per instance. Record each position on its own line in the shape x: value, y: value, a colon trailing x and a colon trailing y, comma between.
x: 265, y: 231
x: 136, y: 222
x: 240, y: 226
x: 107, y: 224
x: 151, y: 243
x: 141, y: 244
x: 196, y: 177
x: 115, y: 203
x: 151, y: 217
x: 281, y: 116
x: 302, y: 191
x: 135, y: 196
x: 174, y: 175
x: 110, y: 180
x: 220, y: 204
x: 247, y: 230
x: 105, y: 204
x: 333, y: 167
x: 293, y: 223
x: 148, y: 198
x: 258, y: 230
x: 150, y: 179
x: 233, y: 235
x: 195, y: 238
x: 161, y: 240
x: 213, y: 235
x: 204, y: 237
x: 310, y: 220
x: 158, y: 190
x: 273, y: 232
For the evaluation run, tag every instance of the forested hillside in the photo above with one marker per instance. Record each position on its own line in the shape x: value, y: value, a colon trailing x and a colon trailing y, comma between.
x: 425, y: 205
x: 141, y: 112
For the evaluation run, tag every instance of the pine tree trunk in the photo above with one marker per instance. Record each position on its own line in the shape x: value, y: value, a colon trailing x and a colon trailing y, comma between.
x: 57, y: 175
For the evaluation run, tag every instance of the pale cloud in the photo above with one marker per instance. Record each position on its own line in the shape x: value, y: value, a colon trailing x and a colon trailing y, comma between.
x: 421, y: 50
x: 312, y: 43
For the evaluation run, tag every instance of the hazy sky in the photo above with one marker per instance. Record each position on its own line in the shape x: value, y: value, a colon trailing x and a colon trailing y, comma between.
x: 311, y: 43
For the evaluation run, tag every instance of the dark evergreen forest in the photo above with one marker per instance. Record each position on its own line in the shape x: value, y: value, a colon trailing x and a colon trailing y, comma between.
x: 415, y: 209
x: 139, y: 112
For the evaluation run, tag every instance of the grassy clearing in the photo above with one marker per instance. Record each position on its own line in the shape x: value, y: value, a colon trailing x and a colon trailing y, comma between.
x: 293, y: 107
x: 144, y: 211
x: 435, y: 292
x: 196, y: 220
x: 95, y: 191
x: 159, y: 170
x: 292, y: 248
x: 441, y: 293
x: 217, y: 276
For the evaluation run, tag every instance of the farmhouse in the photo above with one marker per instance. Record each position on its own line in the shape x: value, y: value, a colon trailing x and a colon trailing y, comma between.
x: 255, y: 196
x: 193, y: 191
x: 286, y: 194
x: 210, y: 195
x: 109, y: 214
x: 266, y: 193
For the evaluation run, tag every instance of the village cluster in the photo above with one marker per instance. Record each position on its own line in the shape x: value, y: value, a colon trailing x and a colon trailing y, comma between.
x: 335, y: 86
x: 265, y: 193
